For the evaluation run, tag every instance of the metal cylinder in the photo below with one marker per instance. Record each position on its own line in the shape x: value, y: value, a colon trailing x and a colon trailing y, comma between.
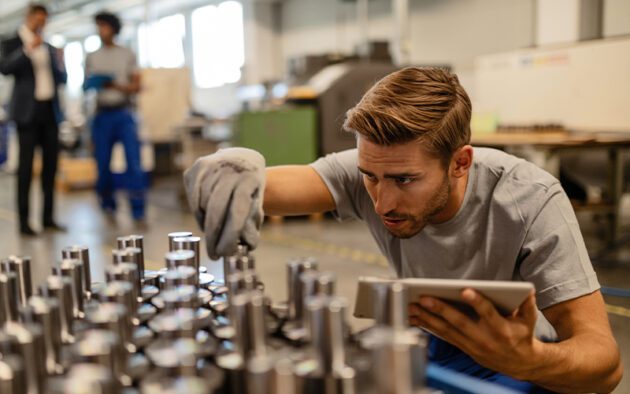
x: 176, y: 234
x: 241, y: 281
x: 82, y: 253
x: 121, y: 292
x: 326, y: 316
x: 45, y: 312
x: 294, y: 269
x: 21, y: 266
x: 73, y: 269
x: 60, y: 289
x: 189, y: 243
x: 134, y: 241
x: 8, y: 297
x: 28, y: 339
x: 179, y: 297
x: 84, y: 378
x: 115, y: 318
x: 178, y: 258
x: 174, y: 324
x: 126, y: 272
x: 181, y: 276
x: 390, y: 305
x: 104, y: 348
x: 248, y: 318
x: 12, y: 375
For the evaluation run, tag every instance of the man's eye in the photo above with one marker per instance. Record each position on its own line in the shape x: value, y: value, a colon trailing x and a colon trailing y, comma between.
x: 370, y: 178
x: 404, y: 181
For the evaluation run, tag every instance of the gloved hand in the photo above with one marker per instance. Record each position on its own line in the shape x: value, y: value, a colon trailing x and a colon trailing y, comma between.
x: 225, y: 192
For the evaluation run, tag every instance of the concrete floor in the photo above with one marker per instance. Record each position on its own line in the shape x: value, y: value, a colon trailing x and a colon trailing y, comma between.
x: 347, y: 248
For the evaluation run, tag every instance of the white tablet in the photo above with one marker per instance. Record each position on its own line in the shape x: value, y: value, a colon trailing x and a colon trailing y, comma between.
x: 505, y: 295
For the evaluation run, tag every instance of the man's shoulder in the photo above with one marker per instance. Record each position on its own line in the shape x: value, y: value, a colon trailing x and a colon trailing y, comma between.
x: 511, y: 170
x: 514, y: 183
x: 12, y: 40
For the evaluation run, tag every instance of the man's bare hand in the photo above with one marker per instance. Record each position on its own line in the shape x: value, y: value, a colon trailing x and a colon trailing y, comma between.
x: 504, y: 344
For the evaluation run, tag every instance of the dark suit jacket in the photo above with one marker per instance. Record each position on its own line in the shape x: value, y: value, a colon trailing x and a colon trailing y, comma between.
x: 13, y: 61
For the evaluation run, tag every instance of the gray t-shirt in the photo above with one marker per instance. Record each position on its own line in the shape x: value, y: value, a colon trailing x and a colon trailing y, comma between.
x: 117, y: 61
x: 516, y: 223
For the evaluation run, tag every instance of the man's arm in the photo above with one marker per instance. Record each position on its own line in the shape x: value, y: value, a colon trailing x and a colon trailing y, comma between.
x: 295, y: 190
x: 12, y: 59
x: 587, y: 357
x: 585, y: 360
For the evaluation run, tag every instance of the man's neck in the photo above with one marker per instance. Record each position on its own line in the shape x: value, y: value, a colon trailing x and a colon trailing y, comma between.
x: 455, y: 201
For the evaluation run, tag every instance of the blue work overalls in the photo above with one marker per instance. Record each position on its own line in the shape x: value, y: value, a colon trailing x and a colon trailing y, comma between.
x: 110, y: 126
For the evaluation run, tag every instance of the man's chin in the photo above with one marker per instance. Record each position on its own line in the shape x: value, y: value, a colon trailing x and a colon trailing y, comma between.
x: 405, y: 233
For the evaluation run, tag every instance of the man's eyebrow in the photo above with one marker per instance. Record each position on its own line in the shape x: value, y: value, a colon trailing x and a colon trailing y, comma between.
x: 397, y: 175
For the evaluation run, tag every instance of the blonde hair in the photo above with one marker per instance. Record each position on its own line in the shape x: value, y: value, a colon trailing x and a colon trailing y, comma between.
x: 415, y: 104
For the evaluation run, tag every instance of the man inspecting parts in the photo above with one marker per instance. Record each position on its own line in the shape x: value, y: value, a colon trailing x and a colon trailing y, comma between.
x: 439, y: 208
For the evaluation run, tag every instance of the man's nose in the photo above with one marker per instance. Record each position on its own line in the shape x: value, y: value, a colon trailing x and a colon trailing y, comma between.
x: 385, y: 200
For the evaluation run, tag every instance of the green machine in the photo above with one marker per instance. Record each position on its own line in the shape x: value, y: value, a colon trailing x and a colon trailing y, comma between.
x: 286, y: 135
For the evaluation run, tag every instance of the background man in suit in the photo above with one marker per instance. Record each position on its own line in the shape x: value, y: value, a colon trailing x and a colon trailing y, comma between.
x: 38, y: 71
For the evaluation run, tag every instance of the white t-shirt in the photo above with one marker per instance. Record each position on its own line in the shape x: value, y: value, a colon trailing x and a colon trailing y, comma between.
x: 515, y: 223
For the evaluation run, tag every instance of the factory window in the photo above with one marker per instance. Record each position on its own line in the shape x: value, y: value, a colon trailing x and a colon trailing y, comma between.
x: 218, y: 45
x: 92, y: 43
x: 161, y: 44
x: 73, y: 56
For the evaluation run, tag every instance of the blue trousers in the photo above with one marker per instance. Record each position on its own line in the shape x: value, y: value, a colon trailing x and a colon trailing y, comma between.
x: 448, y: 356
x: 108, y: 128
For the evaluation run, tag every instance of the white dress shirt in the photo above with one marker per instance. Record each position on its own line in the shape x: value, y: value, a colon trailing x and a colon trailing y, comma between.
x: 40, y: 58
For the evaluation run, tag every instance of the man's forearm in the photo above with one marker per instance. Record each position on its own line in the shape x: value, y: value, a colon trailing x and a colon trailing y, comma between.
x: 580, y: 364
x: 295, y: 190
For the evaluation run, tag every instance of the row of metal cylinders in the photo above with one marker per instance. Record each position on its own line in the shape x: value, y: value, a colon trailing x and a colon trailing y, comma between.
x: 105, y: 352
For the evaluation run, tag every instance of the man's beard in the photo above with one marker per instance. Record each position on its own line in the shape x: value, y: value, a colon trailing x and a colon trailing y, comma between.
x: 436, y: 204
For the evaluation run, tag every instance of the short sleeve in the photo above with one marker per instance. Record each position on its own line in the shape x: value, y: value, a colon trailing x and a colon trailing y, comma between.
x: 554, y: 256
x: 340, y: 174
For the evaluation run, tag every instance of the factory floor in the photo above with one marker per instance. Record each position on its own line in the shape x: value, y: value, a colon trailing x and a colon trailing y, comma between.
x: 344, y: 248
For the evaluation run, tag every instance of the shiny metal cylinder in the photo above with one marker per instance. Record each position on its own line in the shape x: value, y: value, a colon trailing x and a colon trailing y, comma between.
x: 112, y: 317
x: 241, y: 281
x: 134, y: 241
x: 84, y: 378
x: 12, y: 375
x: 174, y: 324
x: 390, y: 308
x: 189, y: 243
x: 60, y: 288
x: 326, y: 322
x: 177, y: 258
x: 126, y: 272
x: 180, y: 297
x: 9, y: 297
x: 21, y: 266
x: 248, y: 317
x: 295, y: 268
x: 181, y: 276
x: 104, y: 348
x: 121, y: 292
x: 176, y: 234
x: 82, y: 253
x: 46, y: 313
x: 29, y: 340
x: 73, y: 269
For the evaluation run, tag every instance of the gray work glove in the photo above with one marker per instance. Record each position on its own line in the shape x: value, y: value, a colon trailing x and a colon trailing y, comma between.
x: 225, y: 192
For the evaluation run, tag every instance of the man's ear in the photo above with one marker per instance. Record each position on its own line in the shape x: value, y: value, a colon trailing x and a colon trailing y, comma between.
x: 461, y: 161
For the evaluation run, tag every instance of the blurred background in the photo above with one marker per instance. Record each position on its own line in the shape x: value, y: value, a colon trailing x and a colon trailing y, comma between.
x: 549, y: 81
